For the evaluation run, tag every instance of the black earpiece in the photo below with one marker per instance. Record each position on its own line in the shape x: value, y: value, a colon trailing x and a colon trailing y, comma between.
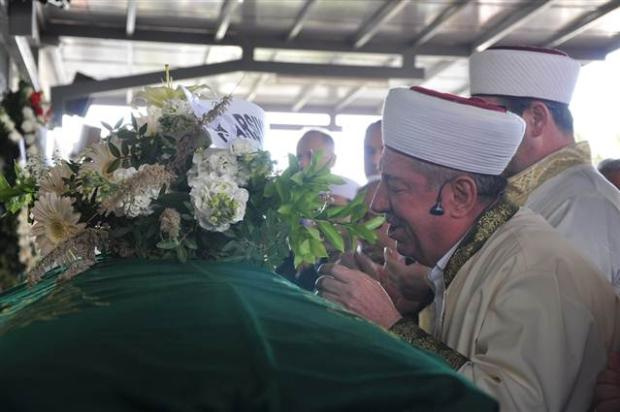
x: 437, y: 209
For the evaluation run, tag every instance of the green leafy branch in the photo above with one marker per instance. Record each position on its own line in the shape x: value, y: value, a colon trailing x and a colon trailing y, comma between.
x: 311, y: 221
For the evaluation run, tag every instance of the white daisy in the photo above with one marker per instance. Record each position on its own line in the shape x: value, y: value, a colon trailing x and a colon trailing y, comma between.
x: 54, y: 221
x: 100, y: 160
x: 53, y: 180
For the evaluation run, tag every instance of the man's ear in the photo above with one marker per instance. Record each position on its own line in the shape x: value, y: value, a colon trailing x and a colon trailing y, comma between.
x: 332, y: 161
x: 537, y: 117
x: 462, y: 196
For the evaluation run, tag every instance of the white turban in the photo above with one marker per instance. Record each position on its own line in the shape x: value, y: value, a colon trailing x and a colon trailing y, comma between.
x: 523, y: 72
x: 451, y: 131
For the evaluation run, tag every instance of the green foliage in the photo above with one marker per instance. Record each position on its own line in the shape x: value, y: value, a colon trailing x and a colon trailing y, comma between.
x: 17, y: 196
x: 284, y: 212
x: 310, y: 221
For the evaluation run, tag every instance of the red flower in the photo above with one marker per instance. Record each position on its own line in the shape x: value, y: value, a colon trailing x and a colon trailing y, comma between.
x: 35, y: 99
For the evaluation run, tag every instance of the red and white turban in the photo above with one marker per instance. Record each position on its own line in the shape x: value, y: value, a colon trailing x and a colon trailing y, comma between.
x: 451, y: 131
x: 523, y: 72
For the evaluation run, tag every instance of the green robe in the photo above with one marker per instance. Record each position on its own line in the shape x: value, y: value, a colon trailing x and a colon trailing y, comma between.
x: 133, y: 335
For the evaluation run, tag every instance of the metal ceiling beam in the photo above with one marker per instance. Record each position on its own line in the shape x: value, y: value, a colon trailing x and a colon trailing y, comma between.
x: 119, y: 100
x: 18, y: 50
x: 348, y: 98
x: 226, y: 12
x: 437, y: 69
x: 431, y: 30
x: 369, y: 28
x: 510, y: 23
x: 304, y: 97
x: 300, y: 20
x: 83, y: 88
x: 581, y: 24
x: 273, y: 42
x: 262, y: 79
x: 130, y: 27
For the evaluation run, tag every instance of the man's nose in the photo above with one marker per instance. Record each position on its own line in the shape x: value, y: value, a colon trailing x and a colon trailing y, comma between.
x: 380, y: 202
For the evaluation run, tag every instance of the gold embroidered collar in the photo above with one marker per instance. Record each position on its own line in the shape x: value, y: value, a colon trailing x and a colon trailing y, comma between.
x: 522, y: 184
x: 482, y: 230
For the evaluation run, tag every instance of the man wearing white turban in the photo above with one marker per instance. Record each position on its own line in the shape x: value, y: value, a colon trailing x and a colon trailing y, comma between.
x: 516, y: 309
x: 550, y: 173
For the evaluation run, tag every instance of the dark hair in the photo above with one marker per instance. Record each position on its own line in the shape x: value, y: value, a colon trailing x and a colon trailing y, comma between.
x: 488, y: 186
x: 609, y: 166
x: 559, y: 111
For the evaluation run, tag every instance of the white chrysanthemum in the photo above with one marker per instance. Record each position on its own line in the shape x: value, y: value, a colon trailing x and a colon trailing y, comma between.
x: 53, y: 180
x: 101, y: 160
x: 135, y: 202
x: 242, y: 146
x: 177, y: 107
x: 32, y: 151
x: 15, y: 136
x: 213, y: 162
x: 28, y: 113
x: 30, y: 138
x: 6, y: 120
x: 55, y: 221
x: 218, y: 203
x: 122, y: 174
x: 29, y: 126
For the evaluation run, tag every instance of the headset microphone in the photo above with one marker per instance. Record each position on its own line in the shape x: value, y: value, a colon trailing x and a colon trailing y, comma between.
x: 437, y: 209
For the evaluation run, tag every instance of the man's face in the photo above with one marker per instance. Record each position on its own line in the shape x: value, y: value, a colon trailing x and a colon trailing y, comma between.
x: 613, y: 177
x: 405, y: 197
x: 522, y: 157
x: 375, y: 251
x: 373, y: 146
x: 312, y: 144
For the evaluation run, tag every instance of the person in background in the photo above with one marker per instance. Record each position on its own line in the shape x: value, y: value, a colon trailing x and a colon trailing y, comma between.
x: 551, y: 174
x: 373, y: 147
x: 315, y: 141
x: 516, y: 308
x: 610, y: 168
x: 311, y: 144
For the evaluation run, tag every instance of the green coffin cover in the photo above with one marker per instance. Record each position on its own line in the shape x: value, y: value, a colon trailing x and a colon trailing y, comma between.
x: 133, y: 335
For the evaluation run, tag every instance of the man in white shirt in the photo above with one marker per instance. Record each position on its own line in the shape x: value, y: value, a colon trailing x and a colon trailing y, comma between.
x: 550, y: 173
x: 517, y: 309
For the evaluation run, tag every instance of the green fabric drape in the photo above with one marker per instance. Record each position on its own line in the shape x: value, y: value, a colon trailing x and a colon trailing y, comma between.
x: 144, y: 335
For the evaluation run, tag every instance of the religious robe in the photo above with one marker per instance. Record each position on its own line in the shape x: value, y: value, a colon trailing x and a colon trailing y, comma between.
x: 578, y: 201
x: 525, y: 316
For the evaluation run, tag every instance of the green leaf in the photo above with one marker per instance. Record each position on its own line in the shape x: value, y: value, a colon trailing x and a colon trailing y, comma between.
x: 118, y: 124
x: 375, y: 223
x: 318, y: 248
x: 293, y: 162
x: 4, y: 184
x: 331, y: 234
x: 125, y: 148
x: 107, y: 126
x: 168, y: 244
x: 298, y: 178
x: 134, y: 122
x: 304, y: 247
x: 314, y: 232
x: 114, y: 150
x: 182, y: 254
x: 363, y: 232
x: 143, y: 128
x: 285, y: 209
x: 190, y: 243
x: 113, y: 166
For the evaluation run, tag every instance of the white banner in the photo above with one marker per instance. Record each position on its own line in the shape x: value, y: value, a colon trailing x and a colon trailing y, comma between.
x: 241, y: 120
